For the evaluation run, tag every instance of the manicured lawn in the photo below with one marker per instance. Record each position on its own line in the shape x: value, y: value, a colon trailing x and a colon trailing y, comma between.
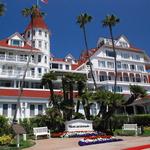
x: 23, y: 144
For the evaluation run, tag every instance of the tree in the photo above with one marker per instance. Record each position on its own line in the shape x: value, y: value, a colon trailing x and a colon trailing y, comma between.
x: 87, y: 101
x: 82, y: 20
x: 110, y: 21
x: 32, y: 13
x: 109, y: 102
x: 137, y: 92
x: 81, y: 86
x: 2, y: 9
x: 48, y: 78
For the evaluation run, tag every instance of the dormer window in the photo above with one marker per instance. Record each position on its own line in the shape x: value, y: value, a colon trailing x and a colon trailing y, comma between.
x: 16, y: 42
x: 123, y: 44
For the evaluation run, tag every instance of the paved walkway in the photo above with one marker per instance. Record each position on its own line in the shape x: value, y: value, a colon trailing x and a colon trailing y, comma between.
x: 72, y: 144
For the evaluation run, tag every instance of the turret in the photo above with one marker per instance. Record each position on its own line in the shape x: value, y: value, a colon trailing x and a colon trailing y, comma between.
x: 41, y: 34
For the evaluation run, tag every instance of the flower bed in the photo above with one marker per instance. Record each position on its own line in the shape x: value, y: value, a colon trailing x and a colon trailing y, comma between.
x: 77, y: 134
x: 97, y: 140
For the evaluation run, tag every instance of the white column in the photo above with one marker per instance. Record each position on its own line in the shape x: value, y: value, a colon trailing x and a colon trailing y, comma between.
x: 107, y: 74
x: 15, y: 84
x: 36, y: 109
x: 1, y: 109
x: 28, y: 110
x: 9, y: 110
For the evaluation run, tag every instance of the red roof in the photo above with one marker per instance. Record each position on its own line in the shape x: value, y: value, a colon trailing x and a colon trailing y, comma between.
x: 59, y: 59
x: 28, y: 93
x: 38, y: 21
x: 131, y: 48
x: 84, y: 57
x: 4, y: 43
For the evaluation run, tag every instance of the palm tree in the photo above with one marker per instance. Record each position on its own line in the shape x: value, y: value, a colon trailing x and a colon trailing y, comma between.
x: 2, y: 9
x: 110, y: 21
x: 27, y: 12
x: 48, y: 78
x: 137, y: 92
x: 82, y: 20
x: 81, y: 85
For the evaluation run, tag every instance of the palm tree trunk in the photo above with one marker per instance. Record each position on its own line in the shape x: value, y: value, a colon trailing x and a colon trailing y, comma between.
x: 115, y: 58
x: 90, y: 64
x: 18, y: 108
x: 52, y: 93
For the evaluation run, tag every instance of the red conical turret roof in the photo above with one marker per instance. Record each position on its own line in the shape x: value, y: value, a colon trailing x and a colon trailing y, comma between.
x: 38, y: 21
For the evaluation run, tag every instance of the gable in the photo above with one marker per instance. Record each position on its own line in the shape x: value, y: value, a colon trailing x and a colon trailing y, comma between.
x: 16, y: 40
x: 123, y: 42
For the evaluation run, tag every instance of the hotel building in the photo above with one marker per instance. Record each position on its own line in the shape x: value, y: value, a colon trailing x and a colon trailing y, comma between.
x: 132, y: 66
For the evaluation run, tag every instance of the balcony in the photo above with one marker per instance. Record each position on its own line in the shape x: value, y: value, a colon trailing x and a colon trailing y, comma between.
x: 15, y: 58
x: 8, y: 73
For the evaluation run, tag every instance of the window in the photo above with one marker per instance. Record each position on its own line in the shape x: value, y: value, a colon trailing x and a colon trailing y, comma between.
x: 135, y: 57
x: 40, y: 32
x: 67, y: 67
x: 33, y: 32
x: 125, y: 66
x: 118, y: 89
x: 39, y: 58
x: 32, y: 110
x: 132, y: 67
x: 54, y: 66
x: 45, y: 45
x: 40, y: 44
x: 13, y: 109
x: 45, y: 34
x: 5, y: 110
x: 140, y: 68
x: 28, y: 34
x: 125, y: 55
x: 32, y: 58
x: 126, y: 78
x: 32, y: 71
x: 118, y: 64
x: 16, y: 42
x: 45, y: 59
x: 110, y: 53
x: 33, y: 43
x: 123, y: 44
x: 110, y: 64
x: 39, y: 70
x: 60, y: 66
x: 102, y: 64
x: 40, y: 109
x: 45, y: 70
x: 103, y: 77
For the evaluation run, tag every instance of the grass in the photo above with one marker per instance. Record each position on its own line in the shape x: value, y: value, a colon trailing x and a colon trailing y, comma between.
x: 13, y: 146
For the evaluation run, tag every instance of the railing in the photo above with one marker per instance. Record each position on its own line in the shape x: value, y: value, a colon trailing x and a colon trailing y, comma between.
x: 15, y: 58
x: 18, y: 73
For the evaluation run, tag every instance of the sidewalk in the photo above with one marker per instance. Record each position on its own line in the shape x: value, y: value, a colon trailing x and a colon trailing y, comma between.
x: 72, y: 144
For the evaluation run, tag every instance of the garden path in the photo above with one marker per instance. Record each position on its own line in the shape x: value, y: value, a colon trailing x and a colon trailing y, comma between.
x: 72, y: 144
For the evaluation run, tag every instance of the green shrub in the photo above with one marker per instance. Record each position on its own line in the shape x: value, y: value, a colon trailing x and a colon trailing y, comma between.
x: 141, y: 120
x: 118, y: 121
x: 124, y: 133
x: 4, y: 126
x: 78, y: 116
x: 5, y: 139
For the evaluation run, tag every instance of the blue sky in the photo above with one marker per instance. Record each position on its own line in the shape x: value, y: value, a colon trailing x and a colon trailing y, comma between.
x: 67, y: 37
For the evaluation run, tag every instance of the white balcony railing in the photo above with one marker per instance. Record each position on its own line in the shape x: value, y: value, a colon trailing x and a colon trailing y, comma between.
x: 19, y: 73
x: 15, y: 58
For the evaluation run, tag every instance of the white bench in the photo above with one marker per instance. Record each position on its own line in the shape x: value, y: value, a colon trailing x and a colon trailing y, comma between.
x: 131, y: 127
x: 41, y: 131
